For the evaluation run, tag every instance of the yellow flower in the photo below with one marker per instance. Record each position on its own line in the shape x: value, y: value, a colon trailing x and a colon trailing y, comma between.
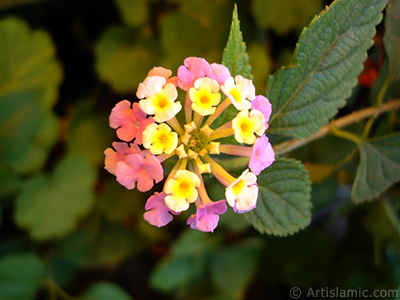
x: 158, y: 98
x: 181, y: 190
x: 159, y: 139
x: 240, y: 91
x: 243, y: 192
x: 205, y: 96
x: 246, y: 124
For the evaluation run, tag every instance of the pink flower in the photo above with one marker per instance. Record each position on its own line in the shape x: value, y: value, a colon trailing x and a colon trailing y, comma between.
x: 207, y: 216
x: 193, y: 68
x: 129, y: 122
x: 121, y: 151
x: 139, y: 169
x: 262, y: 156
x: 263, y: 105
x: 220, y: 73
x: 158, y: 214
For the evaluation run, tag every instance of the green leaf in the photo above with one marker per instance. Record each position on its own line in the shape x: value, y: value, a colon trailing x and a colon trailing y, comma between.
x: 50, y: 206
x: 20, y: 120
x: 232, y: 268
x: 181, y: 36
x: 177, y: 272
x: 327, y: 60
x: 123, y: 60
x: 28, y: 61
x: 391, y: 39
x: 379, y: 167
x: 283, y: 205
x: 199, y: 28
x: 20, y: 276
x: 235, y: 56
x: 236, y: 59
x: 29, y: 79
x: 105, y: 291
x: 133, y: 12
x: 37, y: 151
x: 284, y: 15
x: 185, y: 264
x: 10, y: 182
x: 83, y: 133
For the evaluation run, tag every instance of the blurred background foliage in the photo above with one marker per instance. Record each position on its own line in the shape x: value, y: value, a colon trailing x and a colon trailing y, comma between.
x: 68, y: 228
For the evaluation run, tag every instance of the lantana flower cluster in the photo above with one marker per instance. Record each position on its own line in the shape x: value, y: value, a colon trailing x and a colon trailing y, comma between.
x: 160, y: 127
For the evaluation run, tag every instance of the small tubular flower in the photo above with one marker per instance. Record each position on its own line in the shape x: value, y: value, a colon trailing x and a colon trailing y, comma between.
x: 157, y: 128
x: 207, y: 216
x: 262, y: 156
x: 129, y: 122
x: 158, y: 98
x: 139, y: 169
x: 243, y: 192
x: 159, y: 138
x: 205, y: 96
x: 181, y: 190
x: 158, y: 213
x: 240, y: 91
x: 263, y: 105
x: 245, y: 125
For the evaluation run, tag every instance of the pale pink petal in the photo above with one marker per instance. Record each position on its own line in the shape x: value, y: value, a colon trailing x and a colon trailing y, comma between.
x: 220, y: 73
x: 150, y: 87
x: 262, y: 156
x: 263, y: 105
x: 193, y: 68
x: 158, y: 213
x: 143, y: 170
x: 207, y: 216
x: 121, y: 150
x: 129, y: 122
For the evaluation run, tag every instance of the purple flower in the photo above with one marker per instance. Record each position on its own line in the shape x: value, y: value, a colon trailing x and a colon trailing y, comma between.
x: 262, y: 156
x: 158, y: 214
x: 207, y: 216
x: 263, y: 105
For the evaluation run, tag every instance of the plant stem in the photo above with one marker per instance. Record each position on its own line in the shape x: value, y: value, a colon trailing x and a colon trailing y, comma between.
x: 339, y: 123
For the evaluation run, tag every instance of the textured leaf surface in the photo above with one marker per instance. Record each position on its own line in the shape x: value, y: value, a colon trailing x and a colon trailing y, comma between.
x: 20, y: 276
x: 391, y: 38
x: 51, y: 206
x: 235, y: 56
x: 283, y: 205
x: 379, y: 167
x: 328, y: 58
x: 236, y: 59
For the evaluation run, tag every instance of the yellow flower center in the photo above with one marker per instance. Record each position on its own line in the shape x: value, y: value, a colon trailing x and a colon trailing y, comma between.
x: 161, y: 101
x: 238, y: 187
